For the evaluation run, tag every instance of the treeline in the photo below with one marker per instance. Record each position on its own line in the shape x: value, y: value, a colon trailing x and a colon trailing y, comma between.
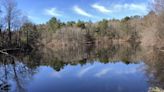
x: 18, y: 32
x: 58, y: 32
x: 55, y: 33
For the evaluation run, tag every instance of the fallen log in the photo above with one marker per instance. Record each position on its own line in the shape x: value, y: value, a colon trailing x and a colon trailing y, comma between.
x: 2, y: 52
x: 7, y: 54
x: 5, y: 50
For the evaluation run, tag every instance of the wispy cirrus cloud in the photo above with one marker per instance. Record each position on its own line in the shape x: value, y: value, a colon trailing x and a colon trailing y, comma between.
x: 123, y: 9
x: 135, y: 7
x: 53, y: 12
x: 100, y: 8
x: 82, y: 12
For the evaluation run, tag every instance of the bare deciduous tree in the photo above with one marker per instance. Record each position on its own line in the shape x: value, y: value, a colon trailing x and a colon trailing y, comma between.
x: 0, y: 19
x: 11, y: 13
x: 159, y: 5
x: 159, y: 8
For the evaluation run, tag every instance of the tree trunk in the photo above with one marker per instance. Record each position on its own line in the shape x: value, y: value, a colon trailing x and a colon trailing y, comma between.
x: 9, y: 30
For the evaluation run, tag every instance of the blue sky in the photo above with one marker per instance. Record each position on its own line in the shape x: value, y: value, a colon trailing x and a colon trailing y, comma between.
x: 40, y: 11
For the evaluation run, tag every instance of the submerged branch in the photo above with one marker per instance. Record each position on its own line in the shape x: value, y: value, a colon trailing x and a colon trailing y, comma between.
x: 2, y: 52
x: 5, y: 51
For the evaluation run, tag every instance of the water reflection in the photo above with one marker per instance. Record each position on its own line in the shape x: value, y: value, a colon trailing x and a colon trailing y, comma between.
x: 89, y: 78
x: 98, y: 68
x: 155, y: 69
x: 14, y: 75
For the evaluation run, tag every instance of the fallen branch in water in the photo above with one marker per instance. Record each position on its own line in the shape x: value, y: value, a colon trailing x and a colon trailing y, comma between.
x: 7, y: 54
x: 2, y: 52
x: 5, y: 50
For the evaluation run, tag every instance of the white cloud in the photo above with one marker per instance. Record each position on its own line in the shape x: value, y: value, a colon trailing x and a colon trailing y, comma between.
x: 132, y: 6
x: 80, y: 11
x: 101, y: 8
x: 53, y: 12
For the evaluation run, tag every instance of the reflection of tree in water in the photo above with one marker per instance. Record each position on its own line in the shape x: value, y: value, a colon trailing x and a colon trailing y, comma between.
x: 88, y: 49
x: 56, y: 64
x: 22, y: 71
x: 155, y: 69
x: 115, y: 52
x: 60, y: 57
x: 13, y: 71
x: 130, y: 52
x: 106, y: 54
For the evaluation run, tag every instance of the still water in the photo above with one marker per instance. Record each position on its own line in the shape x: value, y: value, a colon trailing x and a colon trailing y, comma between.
x: 96, y: 77
x: 70, y: 70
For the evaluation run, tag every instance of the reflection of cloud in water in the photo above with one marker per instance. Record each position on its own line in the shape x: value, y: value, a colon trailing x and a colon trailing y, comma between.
x: 85, y: 70
x: 55, y: 74
x: 103, y: 72
x: 130, y: 71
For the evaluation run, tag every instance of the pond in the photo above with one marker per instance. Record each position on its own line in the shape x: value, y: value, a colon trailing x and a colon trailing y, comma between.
x: 90, y: 69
